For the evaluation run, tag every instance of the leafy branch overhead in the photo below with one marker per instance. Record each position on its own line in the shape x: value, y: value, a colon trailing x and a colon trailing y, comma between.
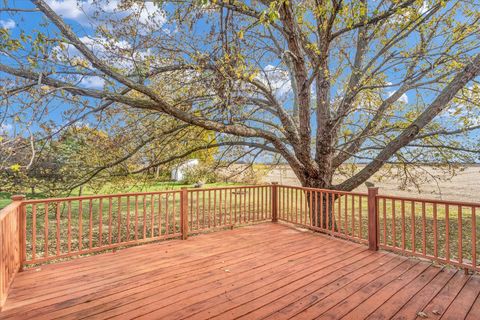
x: 316, y: 83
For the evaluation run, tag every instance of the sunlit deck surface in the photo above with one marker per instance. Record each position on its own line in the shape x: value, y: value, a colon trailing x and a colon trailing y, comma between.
x: 264, y: 271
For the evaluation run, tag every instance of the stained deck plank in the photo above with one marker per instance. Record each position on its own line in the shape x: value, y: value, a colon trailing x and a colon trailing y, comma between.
x: 266, y: 271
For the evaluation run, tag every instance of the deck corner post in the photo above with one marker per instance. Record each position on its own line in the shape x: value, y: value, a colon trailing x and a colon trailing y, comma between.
x: 372, y: 219
x: 22, y: 219
x: 274, y: 201
x: 184, y: 212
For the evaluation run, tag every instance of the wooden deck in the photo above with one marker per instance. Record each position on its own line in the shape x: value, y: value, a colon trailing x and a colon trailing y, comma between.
x: 265, y: 271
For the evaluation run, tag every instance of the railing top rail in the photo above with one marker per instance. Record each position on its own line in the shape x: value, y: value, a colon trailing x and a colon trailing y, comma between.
x: 8, y: 209
x: 132, y: 194
x: 435, y: 201
x: 100, y: 196
x: 231, y: 187
x: 325, y: 190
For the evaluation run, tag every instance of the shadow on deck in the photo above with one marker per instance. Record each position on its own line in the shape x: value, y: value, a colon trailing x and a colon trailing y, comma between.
x: 264, y: 271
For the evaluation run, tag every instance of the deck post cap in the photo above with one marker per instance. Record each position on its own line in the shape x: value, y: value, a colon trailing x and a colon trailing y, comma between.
x: 18, y: 197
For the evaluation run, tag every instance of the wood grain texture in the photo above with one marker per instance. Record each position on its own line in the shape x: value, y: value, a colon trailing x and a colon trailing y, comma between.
x: 265, y: 271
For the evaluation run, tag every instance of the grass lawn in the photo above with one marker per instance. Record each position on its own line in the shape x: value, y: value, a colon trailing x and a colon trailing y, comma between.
x: 5, y: 197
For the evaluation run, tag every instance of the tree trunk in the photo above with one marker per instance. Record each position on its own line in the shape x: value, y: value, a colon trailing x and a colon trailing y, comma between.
x: 321, y: 203
x: 322, y: 206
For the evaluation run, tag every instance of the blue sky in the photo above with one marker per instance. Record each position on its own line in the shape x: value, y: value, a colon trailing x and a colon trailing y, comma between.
x: 32, y: 22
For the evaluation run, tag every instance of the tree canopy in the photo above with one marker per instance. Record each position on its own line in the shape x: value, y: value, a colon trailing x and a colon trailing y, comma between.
x: 315, y: 83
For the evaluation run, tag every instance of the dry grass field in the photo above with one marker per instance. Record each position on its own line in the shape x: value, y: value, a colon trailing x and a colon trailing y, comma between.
x: 463, y: 186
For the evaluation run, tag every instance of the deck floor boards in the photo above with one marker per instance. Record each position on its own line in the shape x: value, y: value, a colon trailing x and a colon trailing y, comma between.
x: 266, y: 271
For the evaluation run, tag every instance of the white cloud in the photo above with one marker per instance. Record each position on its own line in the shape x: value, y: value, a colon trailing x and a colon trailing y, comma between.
x: 93, y: 82
x: 403, y: 98
x: 7, y: 24
x: 462, y: 114
x: 424, y: 8
x: 68, y: 9
x: 5, y: 128
x: 408, y: 14
x: 85, y: 11
x: 277, y: 79
x: 112, y: 51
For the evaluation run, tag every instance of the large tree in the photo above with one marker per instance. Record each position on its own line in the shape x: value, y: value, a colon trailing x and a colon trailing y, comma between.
x: 318, y: 83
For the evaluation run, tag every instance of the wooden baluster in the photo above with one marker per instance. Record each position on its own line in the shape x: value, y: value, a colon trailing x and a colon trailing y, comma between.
x: 360, y: 221
x: 203, y: 210
x: 144, y: 217
x: 57, y: 213
x: 136, y: 218
x: 245, y: 205
x: 191, y: 212
x: 333, y: 213
x: 339, y: 221
x: 474, y: 239
x: 198, y: 205
x: 109, y: 220
x: 90, y: 225
x: 402, y: 204
x: 45, y: 232
x: 209, y: 208
x: 447, y: 232
x: 274, y: 200
x: 353, y: 215
x: 384, y: 221
x: 119, y: 219
x: 167, y: 227
x: 174, y: 214
x: 394, y: 225
x: 373, y: 219
x: 100, y: 222
x: 413, y: 224
x: 424, y: 230
x: 346, y: 215
x: 160, y: 215
x: 214, y: 208
x: 435, y: 232
x: 80, y: 225
x: 460, y: 234
x: 152, y: 216
x: 184, y: 212
x: 34, y: 231
x: 69, y: 227
x: 128, y: 219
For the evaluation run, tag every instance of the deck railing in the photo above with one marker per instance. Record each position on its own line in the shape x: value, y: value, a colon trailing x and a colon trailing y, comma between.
x: 65, y: 227
x: 36, y: 231
x: 343, y: 214
x: 11, y: 232
x: 443, y: 231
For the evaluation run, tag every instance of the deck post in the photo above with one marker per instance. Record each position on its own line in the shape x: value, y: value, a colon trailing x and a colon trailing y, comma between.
x: 184, y: 212
x: 22, y: 219
x: 372, y: 219
x: 274, y: 201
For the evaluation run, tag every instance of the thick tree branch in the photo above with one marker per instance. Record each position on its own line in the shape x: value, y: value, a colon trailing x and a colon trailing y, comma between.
x: 438, y: 105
